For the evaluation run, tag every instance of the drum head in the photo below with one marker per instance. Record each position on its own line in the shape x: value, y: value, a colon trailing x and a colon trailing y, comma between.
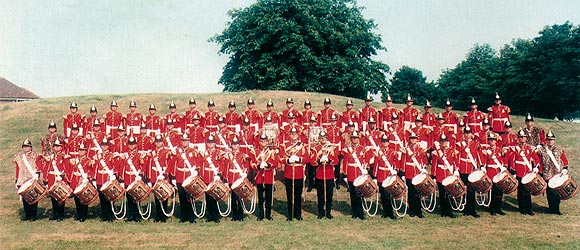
x: 528, y: 178
x: 80, y: 188
x: 25, y: 186
x: 106, y: 185
x: 237, y: 183
x: 498, y: 177
x: 557, y: 181
x: 418, y: 179
x: 448, y: 180
x: 475, y: 176
x: 359, y: 180
x: 389, y: 181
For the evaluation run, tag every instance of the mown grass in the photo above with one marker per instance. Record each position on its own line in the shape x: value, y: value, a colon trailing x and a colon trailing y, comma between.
x: 514, y: 231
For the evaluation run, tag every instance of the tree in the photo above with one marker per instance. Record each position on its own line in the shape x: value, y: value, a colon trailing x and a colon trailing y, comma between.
x: 409, y: 80
x: 316, y: 46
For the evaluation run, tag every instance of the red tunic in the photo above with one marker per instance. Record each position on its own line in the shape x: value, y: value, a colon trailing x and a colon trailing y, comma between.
x: 474, y: 120
x: 271, y: 158
x: 188, y: 117
x: 325, y: 116
x: 324, y: 170
x: 284, y: 116
x: 127, y: 172
x: 78, y: 166
x: 70, y: 119
x: 498, y: 115
x: 351, y: 158
x: 159, y: 162
x: 255, y: 118
x: 451, y: 121
x: 133, y: 123
x: 408, y: 162
x: 73, y: 143
x: 100, y: 174
x: 233, y: 121
x: 180, y: 167
x: 212, y: 165
x: 444, y: 162
x: 518, y: 159
x: 243, y: 163
x: 348, y: 116
x: 409, y: 116
x: 58, y: 163
x: 154, y: 124
x: 113, y: 120
x: 383, y: 158
x: 467, y: 149
x: 493, y: 159
x: 386, y: 117
x: 294, y: 171
x: 365, y: 114
x: 177, y: 122
x: 210, y: 120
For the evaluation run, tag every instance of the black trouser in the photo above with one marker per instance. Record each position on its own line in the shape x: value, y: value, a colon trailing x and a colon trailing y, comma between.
x: 444, y: 201
x: 324, y: 192
x: 30, y: 211
x: 132, y: 210
x: 553, y: 201
x: 524, y: 198
x: 82, y: 210
x: 310, y: 176
x: 57, y: 209
x: 294, y: 197
x: 496, y: 199
x: 470, y: 204
x: 106, y: 210
x: 264, y: 201
x: 414, y: 200
x: 355, y: 202
x: 386, y: 202
x: 159, y: 215
x: 212, y: 213
x: 237, y: 211
x: 185, y: 205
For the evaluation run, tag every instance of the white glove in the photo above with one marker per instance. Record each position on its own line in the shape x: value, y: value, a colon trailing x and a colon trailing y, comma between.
x: 424, y: 171
x: 290, y: 160
x: 36, y: 176
x: 294, y: 158
x: 123, y: 185
x: 324, y: 159
x: 403, y: 178
x: 58, y: 178
x: 538, y: 147
x: 94, y: 183
x: 375, y: 180
x: 345, y: 180
x: 160, y: 177
x: 536, y: 170
x: 393, y: 172
x: 243, y: 175
x: 85, y: 176
x: 174, y: 182
x: 263, y: 165
x: 502, y: 168
x: 112, y: 177
x: 482, y: 169
x: 137, y: 178
x: 194, y: 173
x: 364, y: 172
x: 227, y: 185
x: 456, y: 173
x: 565, y: 171
x: 216, y: 178
x: 149, y: 184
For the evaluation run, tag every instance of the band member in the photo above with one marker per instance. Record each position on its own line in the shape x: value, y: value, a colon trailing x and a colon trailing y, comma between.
x: 451, y: 118
x: 28, y: 166
x: 373, y: 135
x: 284, y: 115
x: 73, y: 118
x: 396, y: 134
x: 104, y: 172
x: 94, y: 136
x: 144, y: 141
x: 429, y: 118
x: 294, y: 155
x: 82, y: 168
x: 197, y: 133
x: 232, y: 118
x: 507, y: 138
x: 345, y: 136
x: 554, y: 162
x: 484, y: 132
x: 132, y: 167
x: 211, y: 117
x: 159, y: 170
x: 324, y: 158
x: 74, y: 141
x: 354, y: 165
x: 253, y: 115
x: 386, y: 114
x: 385, y: 163
x: 270, y: 113
x: 48, y: 140
x: 121, y: 143
x: 212, y: 163
x: 266, y: 163
x: 271, y: 131
x: 536, y: 136
x: 367, y: 113
x: 175, y: 117
x: 424, y: 134
x: 247, y: 137
x: 113, y: 119
x: 349, y: 115
x: 469, y: 160
x: 238, y: 164
x: 154, y: 122
x: 325, y: 114
x: 494, y: 162
x: 307, y: 115
x: 444, y: 162
x: 414, y: 159
x: 473, y: 117
x: 57, y: 169
x: 90, y: 121
x: 523, y: 161
x: 188, y: 115
x: 498, y: 115
x: 186, y: 162
x: 292, y: 124
x: 409, y: 113
x: 133, y: 119
x: 172, y: 135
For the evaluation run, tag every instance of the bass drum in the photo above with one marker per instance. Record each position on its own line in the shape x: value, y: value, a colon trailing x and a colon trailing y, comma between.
x: 395, y: 186
x: 194, y: 186
x: 424, y: 185
x: 218, y: 190
x: 243, y: 188
x: 454, y: 186
x: 112, y: 190
x: 163, y: 190
x: 32, y: 191
x: 479, y: 181
x: 506, y: 182
x: 564, y: 186
x: 365, y: 186
x: 86, y: 192
x: 60, y: 191
x: 535, y: 183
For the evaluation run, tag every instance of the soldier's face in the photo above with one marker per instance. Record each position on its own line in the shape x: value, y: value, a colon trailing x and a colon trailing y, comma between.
x: 491, y: 142
x: 389, y: 103
x: 251, y: 106
x: 529, y: 123
x: 264, y: 143
x: 368, y: 103
x: 232, y: 109
x: 498, y: 102
x: 152, y: 111
x: 409, y: 104
x: 114, y: 108
x: 93, y: 113
x: 82, y: 152
x: 270, y: 108
x: 26, y: 149
x: 322, y: 139
x: 522, y: 139
x: 73, y: 110
x: 196, y: 121
x: 349, y: 107
x: 385, y: 143
x: 143, y: 131
x: 441, y: 121
x: 473, y: 107
x: 96, y: 128
x: 52, y: 130
x: 57, y: 148
x: 210, y: 108
x: 172, y: 110
x: 327, y: 105
x: 74, y: 131
x: 221, y: 125
x: 307, y: 107
x: 413, y: 141
x: 448, y: 108
x: 132, y: 146
x: 210, y: 144
x: 428, y: 110
x: 105, y: 146
x: 445, y: 144
x: 236, y: 146
x: 132, y: 109
x: 294, y: 135
x: 289, y: 105
x: 355, y: 140
x: 372, y: 125
x: 192, y: 105
x: 551, y: 142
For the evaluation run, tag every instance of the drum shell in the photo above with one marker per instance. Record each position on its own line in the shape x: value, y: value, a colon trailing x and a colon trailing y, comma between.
x: 32, y: 191
x: 454, y: 186
x: 218, y: 190
x: 112, y: 190
x: 366, y: 186
x: 482, y: 184
x: 243, y: 188
x: 567, y: 189
x: 395, y: 186
x: 195, y: 187
x: 424, y: 185
x: 534, y: 183
x: 87, y: 193
x: 60, y: 191
x: 163, y: 190
x: 506, y: 182
x: 138, y: 190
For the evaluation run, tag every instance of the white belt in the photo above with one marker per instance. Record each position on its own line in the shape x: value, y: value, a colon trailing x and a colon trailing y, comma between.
x: 429, y: 127
x: 183, y: 169
x: 465, y: 159
x: 499, y: 119
x: 521, y: 162
x: 112, y: 127
x: 383, y: 168
x: 410, y: 163
x: 474, y: 124
x: 211, y: 126
x: 493, y: 166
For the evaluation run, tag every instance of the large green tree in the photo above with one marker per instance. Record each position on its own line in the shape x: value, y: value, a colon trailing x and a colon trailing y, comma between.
x: 408, y: 80
x: 316, y: 46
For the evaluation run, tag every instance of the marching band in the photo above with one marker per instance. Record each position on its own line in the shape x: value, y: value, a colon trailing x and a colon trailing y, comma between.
x: 215, y: 165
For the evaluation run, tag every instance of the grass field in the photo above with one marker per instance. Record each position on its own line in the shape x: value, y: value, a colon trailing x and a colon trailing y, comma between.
x: 19, y: 121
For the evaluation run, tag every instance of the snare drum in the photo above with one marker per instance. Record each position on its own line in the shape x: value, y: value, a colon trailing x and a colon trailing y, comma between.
x: 534, y: 183
x: 194, y: 186
x: 243, y: 188
x: 506, y: 182
x: 454, y: 186
x: 564, y: 186
x: 479, y: 181
x: 112, y: 190
x: 138, y: 190
x: 395, y: 186
x: 365, y: 186
x: 60, y: 191
x: 218, y: 190
x: 424, y: 185
x: 32, y: 191
x: 162, y: 190
x: 86, y: 192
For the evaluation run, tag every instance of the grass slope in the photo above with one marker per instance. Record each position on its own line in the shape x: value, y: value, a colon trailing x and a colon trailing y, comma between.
x: 30, y: 119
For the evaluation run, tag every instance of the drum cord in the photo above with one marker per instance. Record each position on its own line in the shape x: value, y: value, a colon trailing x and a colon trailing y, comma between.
x: 404, y: 200
x: 458, y: 206
x: 123, y: 208
x: 368, y: 206
x: 201, y: 211
x: 172, y: 206
x: 252, y: 203
x: 482, y: 199
x: 229, y: 207
x: 145, y: 215
x: 432, y: 203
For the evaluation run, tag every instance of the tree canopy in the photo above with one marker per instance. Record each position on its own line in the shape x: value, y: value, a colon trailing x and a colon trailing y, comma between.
x: 317, y: 46
x: 411, y: 81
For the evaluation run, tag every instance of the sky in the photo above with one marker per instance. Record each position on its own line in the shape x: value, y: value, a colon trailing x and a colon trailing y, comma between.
x: 69, y: 48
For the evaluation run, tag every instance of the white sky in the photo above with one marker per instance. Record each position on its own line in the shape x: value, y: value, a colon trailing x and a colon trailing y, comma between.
x: 66, y: 48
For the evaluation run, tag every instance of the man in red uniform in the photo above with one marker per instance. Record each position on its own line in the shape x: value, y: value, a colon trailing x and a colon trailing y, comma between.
x: 154, y: 122
x: 469, y: 161
x: 172, y: 135
x: 212, y: 166
x: 89, y: 121
x: 324, y: 158
x: 28, y: 166
x: 354, y: 165
x: 326, y: 114
x: 210, y: 121
x: 48, y: 140
x: 223, y: 134
x: 385, y: 163
x: 188, y: 116
x: 474, y: 118
x: 424, y: 134
x: 498, y: 115
x: 266, y: 163
x: 186, y: 162
x: 104, y: 171
x: 82, y: 168
x: 94, y: 136
x: 409, y: 113
x: 247, y: 137
x: 397, y: 134
x: 349, y: 115
x: 176, y: 117
x: 494, y: 162
x: 290, y: 109
x: 367, y: 112
x: 197, y: 133
x: 290, y: 124
x: 133, y: 119
x: 113, y: 120
x: 74, y: 141
x: 428, y: 117
x: 444, y: 162
x: 386, y: 114
x: 276, y: 120
x: 307, y: 115
x: 120, y: 144
x: 132, y: 167
x: 253, y: 115
x: 536, y: 136
x: 413, y: 162
x: 57, y: 169
x: 523, y: 161
x: 159, y: 169
x: 507, y: 138
x: 554, y: 162
x: 144, y: 141
x: 233, y: 118
x: 72, y: 118
x: 295, y: 155
x: 373, y: 134
x: 451, y: 118
x: 237, y: 166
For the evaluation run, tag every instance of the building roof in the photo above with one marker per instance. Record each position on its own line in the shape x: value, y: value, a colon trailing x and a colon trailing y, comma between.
x: 11, y: 90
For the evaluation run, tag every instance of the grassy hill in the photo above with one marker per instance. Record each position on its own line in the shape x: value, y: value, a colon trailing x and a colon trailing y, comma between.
x: 19, y: 121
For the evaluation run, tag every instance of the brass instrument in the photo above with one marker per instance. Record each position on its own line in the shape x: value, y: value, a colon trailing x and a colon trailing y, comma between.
x: 326, y: 149
x: 294, y: 148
